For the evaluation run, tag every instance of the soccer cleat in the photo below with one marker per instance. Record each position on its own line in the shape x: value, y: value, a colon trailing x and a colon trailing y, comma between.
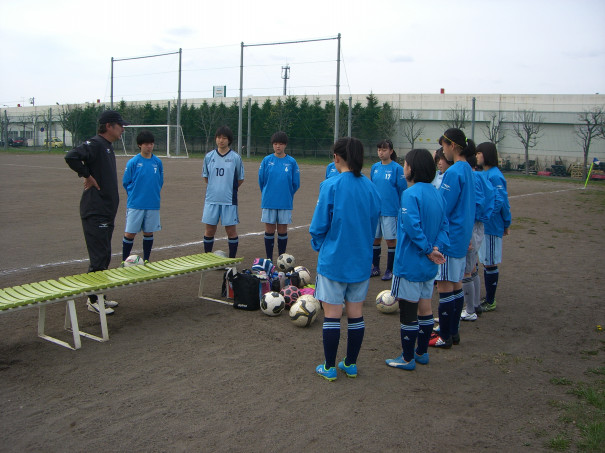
x: 110, y: 303
x: 146, y: 262
x: 351, y: 370
x: 388, y: 275
x: 122, y: 265
x: 465, y: 316
x: 488, y: 307
x: 456, y: 339
x: 326, y: 373
x: 422, y: 359
x: 441, y: 344
x: 400, y: 363
x: 94, y: 307
x: 436, y: 328
x: 375, y: 271
x: 478, y: 310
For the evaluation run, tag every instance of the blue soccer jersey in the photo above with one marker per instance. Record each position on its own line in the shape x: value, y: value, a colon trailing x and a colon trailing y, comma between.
x: 391, y: 183
x: 143, y: 180
x: 421, y: 225
x: 501, y: 216
x: 331, y: 170
x: 343, y: 227
x: 224, y: 172
x: 458, y: 191
x: 485, y: 197
x: 278, y: 179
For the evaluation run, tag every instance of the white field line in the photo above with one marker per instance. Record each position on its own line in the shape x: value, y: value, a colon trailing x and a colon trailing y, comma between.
x: 188, y: 244
x: 165, y: 247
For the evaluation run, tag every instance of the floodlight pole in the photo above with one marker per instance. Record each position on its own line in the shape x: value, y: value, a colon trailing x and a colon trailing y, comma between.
x: 241, y: 97
x: 111, y: 96
x: 337, y: 109
x: 249, y: 140
x: 178, y: 107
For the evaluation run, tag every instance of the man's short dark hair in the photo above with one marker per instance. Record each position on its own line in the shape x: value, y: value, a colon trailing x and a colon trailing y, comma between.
x: 226, y: 132
x: 145, y: 137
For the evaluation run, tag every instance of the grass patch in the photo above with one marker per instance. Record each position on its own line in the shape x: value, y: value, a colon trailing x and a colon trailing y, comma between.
x: 585, y: 417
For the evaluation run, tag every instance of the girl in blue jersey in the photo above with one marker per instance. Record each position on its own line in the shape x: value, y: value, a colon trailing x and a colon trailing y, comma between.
x: 279, y: 179
x: 458, y: 191
x: 223, y: 173
x: 143, y: 180
x: 422, y: 231
x: 342, y: 231
x: 485, y: 197
x: 442, y: 165
x: 490, y: 252
x: 331, y: 170
x: 388, y: 177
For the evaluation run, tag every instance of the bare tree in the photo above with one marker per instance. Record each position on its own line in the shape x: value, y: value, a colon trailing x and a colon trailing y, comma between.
x: 386, y: 121
x: 457, y: 117
x: 592, y: 126
x: 4, y: 122
x: 411, y: 127
x: 493, y: 128
x: 527, y: 128
x: 208, y: 119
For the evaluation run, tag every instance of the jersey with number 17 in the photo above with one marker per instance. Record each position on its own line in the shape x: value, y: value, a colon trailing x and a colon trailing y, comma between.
x: 224, y: 173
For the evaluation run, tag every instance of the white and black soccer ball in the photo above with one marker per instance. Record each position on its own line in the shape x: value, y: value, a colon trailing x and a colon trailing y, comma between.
x: 285, y: 262
x: 304, y: 276
x: 272, y: 303
x: 304, y: 311
x: 133, y: 260
x: 386, y: 302
x: 221, y: 253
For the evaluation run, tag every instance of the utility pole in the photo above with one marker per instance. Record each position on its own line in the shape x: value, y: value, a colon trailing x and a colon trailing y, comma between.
x: 285, y: 74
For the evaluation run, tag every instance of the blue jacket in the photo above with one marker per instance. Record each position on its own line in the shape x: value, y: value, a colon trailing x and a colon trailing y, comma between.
x: 458, y: 191
x: 421, y: 225
x: 343, y: 227
x: 501, y: 217
x: 391, y: 183
x: 278, y: 179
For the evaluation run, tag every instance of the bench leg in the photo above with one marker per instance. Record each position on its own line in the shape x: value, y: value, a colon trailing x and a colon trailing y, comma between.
x: 71, y: 319
x: 200, y: 293
x: 103, y: 320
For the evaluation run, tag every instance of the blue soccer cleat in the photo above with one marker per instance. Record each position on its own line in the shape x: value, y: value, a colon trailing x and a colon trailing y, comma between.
x: 326, y: 373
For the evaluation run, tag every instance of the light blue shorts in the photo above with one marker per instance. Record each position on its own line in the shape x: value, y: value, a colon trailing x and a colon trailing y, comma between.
x: 279, y: 216
x: 227, y: 214
x: 145, y: 220
x: 387, y: 228
x: 472, y: 255
x: 452, y: 270
x: 490, y: 252
x: 336, y: 293
x: 402, y: 288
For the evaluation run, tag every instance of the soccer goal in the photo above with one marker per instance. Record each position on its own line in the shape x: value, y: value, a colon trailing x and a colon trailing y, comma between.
x: 169, y: 140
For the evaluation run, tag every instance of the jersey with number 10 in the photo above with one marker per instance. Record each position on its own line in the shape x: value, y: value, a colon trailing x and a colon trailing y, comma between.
x: 224, y: 173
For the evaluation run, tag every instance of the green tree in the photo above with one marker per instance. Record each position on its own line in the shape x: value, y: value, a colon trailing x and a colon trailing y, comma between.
x: 386, y: 122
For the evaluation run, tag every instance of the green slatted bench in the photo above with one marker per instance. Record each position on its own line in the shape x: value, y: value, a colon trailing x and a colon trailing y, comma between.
x: 67, y: 289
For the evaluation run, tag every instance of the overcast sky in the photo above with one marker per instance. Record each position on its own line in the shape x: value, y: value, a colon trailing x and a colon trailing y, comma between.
x: 60, y: 51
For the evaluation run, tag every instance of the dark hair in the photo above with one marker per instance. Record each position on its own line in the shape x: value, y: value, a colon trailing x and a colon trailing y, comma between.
x: 279, y: 137
x: 145, y: 137
x: 457, y: 137
x: 103, y: 128
x: 472, y: 161
x: 350, y: 150
x: 490, y: 154
x: 422, y: 166
x: 440, y: 156
x: 386, y: 143
x: 225, y: 131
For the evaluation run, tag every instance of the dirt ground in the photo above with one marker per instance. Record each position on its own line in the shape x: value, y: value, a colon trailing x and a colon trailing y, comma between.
x: 182, y: 374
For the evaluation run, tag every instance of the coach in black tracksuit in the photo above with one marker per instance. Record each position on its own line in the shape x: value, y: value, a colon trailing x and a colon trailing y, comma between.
x: 95, y: 161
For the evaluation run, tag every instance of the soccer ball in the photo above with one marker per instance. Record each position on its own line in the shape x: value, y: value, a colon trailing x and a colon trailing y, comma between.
x: 304, y: 276
x: 291, y: 293
x: 386, y: 302
x: 312, y: 299
x: 133, y: 260
x: 272, y: 303
x: 285, y: 262
x: 303, y: 312
x: 221, y: 253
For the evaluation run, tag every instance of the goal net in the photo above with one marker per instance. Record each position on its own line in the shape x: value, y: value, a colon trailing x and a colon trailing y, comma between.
x: 169, y: 140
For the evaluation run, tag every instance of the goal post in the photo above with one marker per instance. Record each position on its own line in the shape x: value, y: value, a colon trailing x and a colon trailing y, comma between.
x: 169, y: 140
